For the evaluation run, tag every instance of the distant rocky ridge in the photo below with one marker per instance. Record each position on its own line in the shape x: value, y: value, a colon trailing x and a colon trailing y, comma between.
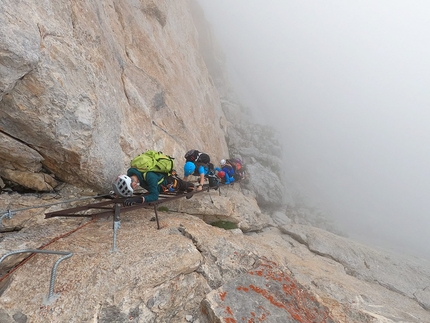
x: 139, y: 62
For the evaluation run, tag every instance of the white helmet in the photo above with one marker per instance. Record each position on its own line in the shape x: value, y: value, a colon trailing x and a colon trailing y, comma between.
x: 122, y: 186
x: 222, y: 162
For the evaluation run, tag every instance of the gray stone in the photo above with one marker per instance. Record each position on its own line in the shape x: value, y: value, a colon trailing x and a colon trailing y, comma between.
x: 227, y: 204
x: 266, y: 185
x: 265, y: 294
x: 164, y: 275
x: 280, y: 218
x: 20, y: 317
x: 363, y: 262
x: 423, y: 297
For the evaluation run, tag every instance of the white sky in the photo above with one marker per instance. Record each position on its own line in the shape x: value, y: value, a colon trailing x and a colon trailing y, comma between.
x: 348, y: 85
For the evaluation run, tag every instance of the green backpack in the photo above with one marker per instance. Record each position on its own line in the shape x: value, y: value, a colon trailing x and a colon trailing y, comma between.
x: 152, y: 161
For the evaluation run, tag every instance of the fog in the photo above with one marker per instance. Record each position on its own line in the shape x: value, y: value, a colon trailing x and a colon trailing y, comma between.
x: 347, y: 84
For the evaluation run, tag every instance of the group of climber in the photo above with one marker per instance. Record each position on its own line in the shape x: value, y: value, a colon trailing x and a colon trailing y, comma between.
x: 154, y: 172
x: 198, y: 164
x: 231, y: 170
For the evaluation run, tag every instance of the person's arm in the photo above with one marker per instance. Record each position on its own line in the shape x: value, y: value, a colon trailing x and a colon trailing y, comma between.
x: 228, y: 179
x: 134, y: 200
x: 152, y: 181
x: 201, y: 178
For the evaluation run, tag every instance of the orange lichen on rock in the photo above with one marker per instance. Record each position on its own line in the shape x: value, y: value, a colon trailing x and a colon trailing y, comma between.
x: 266, y: 295
x: 245, y: 289
x: 301, y: 305
x: 281, y: 291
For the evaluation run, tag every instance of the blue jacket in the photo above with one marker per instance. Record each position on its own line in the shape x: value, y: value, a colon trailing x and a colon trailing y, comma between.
x: 202, y: 170
x: 229, y: 172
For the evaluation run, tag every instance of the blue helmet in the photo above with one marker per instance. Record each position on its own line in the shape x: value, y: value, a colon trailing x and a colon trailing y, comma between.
x: 189, y: 168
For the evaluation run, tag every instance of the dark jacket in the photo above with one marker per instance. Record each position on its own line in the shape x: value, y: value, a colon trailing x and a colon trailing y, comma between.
x: 152, y: 183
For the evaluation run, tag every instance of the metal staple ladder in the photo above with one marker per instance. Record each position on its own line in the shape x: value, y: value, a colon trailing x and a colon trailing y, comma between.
x: 66, y: 254
x: 114, y: 207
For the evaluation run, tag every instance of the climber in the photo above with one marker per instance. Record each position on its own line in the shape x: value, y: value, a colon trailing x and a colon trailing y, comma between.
x: 239, y: 170
x: 196, y: 169
x: 226, y: 172
x: 155, y: 183
x: 197, y: 164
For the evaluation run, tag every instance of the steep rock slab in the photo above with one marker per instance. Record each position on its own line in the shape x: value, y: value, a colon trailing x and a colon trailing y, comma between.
x: 265, y: 294
x: 266, y: 185
x: 19, y: 44
x: 20, y: 164
x: 88, y: 85
x: 17, y: 156
x: 95, y: 280
x: 349, y: 298
x: 163, y: 275
x: 402, y: 275
x: 225, y: 204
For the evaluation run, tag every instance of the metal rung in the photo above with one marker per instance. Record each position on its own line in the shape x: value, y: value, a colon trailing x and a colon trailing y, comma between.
x: 66, y: 254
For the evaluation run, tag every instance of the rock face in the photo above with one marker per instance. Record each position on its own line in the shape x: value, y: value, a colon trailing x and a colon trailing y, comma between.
x: 257, y: 146
x: 367, y: 264
x: 189, y: 271
x: 85, y: 86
